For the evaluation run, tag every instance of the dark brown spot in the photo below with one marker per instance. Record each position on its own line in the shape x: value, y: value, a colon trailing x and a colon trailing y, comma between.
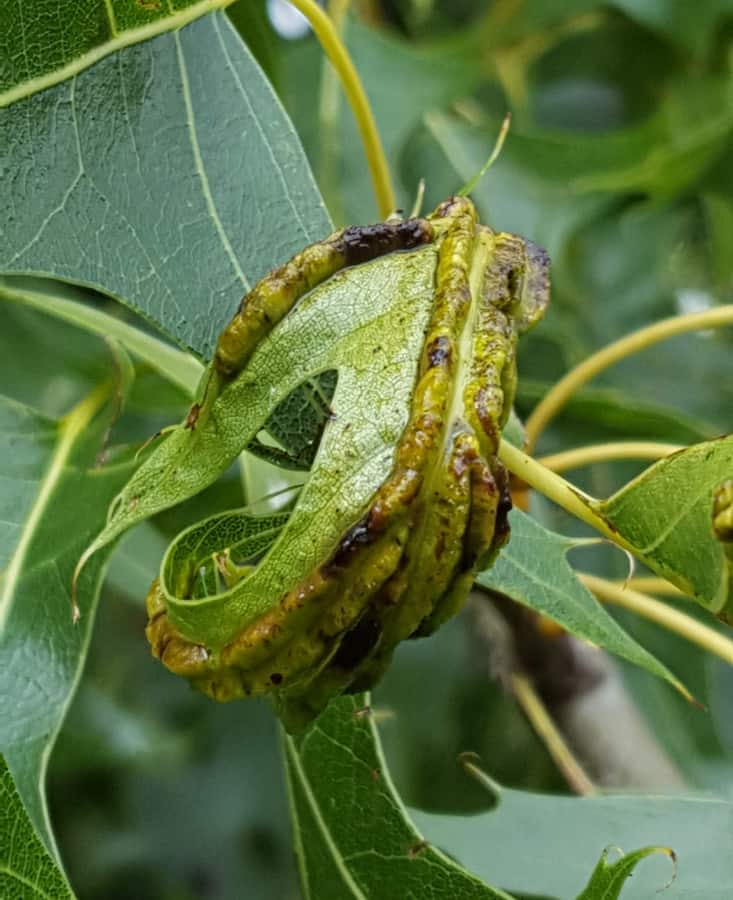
x: 193, y: 416
x: 376, y: 775
x: 440, y: 545
x: 439, y: 351
x: 360, y: 535
x: 502, y: 529
x: 463, y: 459
x: 416, y: 849
x: 276, y: 678
x: 357, y: 644
x: 484, y: 411
x: 361, y: 243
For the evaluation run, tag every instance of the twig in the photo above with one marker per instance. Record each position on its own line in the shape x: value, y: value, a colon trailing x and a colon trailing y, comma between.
x: 547, y: 731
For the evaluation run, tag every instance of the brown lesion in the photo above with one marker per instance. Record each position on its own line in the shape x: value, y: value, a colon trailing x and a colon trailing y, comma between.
x: 192, y: 417
x: 274, y: 296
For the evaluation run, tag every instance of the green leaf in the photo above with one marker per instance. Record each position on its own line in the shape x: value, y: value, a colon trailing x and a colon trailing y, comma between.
x: 538, y: 844
x: 26, y: 868
x: 533, y: 570
x: 54, y: 498
x: 36, y: 56
x: 183, y: 185
x: 608, y: 879
x: 665, y: 516
x: 353, y: 838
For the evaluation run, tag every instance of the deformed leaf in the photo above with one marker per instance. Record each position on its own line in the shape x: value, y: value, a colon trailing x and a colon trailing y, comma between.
x: 608, y: 879
x: 335, y: 769
x: 533, y: 570
x: 26, y: 868
x: 364, y: 309
x: 665, y: 516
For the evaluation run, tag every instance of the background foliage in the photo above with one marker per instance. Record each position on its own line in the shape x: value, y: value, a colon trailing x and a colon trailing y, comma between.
x: 617, y: 162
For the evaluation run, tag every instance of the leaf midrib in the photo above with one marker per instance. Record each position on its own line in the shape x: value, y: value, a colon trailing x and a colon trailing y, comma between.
x: 315, y: 808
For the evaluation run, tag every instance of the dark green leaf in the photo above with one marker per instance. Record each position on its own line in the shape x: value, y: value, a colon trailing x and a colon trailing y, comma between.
x: 689, y: 25
x: 352, y: 835
x: 621, y: 415
x: 35, y: 56
x: 533, y: 570
x: 183, y: 183
x: 26, y: 868
x: 55, y: 495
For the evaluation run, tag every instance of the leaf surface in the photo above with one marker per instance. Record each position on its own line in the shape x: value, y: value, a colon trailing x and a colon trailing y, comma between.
x: 35, y: 56
x: 54, y: 498
x: 26, y: 868
x: 666, y: 516
x: 182, y: 181
x: 539, y: 844
x: 335, y: 769
x: 533, y: 570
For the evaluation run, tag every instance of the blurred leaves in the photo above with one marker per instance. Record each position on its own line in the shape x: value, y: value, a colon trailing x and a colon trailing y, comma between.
x: 26, y: 868
x: 402, y: 82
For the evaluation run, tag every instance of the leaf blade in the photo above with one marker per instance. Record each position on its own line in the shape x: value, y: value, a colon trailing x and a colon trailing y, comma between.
x: 188, y: 229
x: 487, y: 843
x: 665, y: 515
x: 379, y: 853
x: 26, y: 867
x: 84, y: 35
x: 48, y: 466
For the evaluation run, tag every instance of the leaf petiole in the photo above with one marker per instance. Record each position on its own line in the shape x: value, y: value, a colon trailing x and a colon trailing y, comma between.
x: 610, y: 452
x: 337, y: 53
x: 550, y: 735
x: 557, y: 489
